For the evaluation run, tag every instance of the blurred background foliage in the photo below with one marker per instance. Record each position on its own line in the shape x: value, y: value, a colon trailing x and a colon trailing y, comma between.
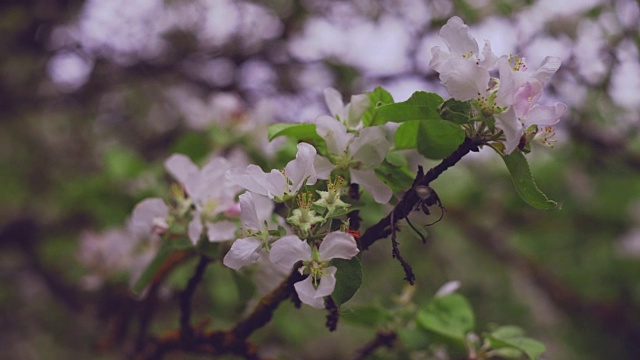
x: 94, y: 95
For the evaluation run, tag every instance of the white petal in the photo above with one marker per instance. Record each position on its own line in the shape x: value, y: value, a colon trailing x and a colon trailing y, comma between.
x: 371, y: 146
x: 489, y: 59
x: 210, y: 184
x: 448, y: 288
x: 464, y: 79
x: 289, y: 250
x: 512, y: 128
x: 545, y: 115
x: 252, y: 178
x: 323, y: 167
x: 221, y: 231
x: 180, y: 167
x: 334, y: 134
x: 334, y: 102
x: 195, y: 228
x: 248, y: 213
x: 338, y: 245
x: 438, y: 58
x: 148, y: 214
x: 455, y: 34
x: 301, y: 168
x: 549, y: 66
x: 369, y: 181
x: 243, y: 252
x: 359, y: 104
x: 315, y: 297
x: 307, y: 293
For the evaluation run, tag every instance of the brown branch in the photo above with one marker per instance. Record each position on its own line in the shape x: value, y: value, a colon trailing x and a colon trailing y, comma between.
x: 383, y: 228
x: 382, y: 339
x: 186, y: 332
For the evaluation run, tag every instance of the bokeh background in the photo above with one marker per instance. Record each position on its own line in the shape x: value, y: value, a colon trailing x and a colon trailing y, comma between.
x: 94, y: 95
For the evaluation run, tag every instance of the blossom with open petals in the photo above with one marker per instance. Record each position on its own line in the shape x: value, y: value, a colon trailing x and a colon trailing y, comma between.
x: 357, y: 153
x: 276, y: 184
x: 321, y: 280
x: 463, y: 70
x: 349, y: 114
x: 255, y: 217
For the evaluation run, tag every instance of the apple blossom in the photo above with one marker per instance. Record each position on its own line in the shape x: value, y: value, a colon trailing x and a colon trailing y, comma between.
x: 150, y: 217
x: 321, y: 281
x: 276, y: 184
x: 349, y: 114
x: 255, y: 217
x: 210, y: 192
x: 462, y: 70
x: 358, y: 153
x: 519, y: 92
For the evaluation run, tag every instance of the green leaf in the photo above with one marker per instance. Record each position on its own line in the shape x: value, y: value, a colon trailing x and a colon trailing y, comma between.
x: 524, y: 183
x: 152, y: 268
x: 298, y: 132
x: 397, y: 177
x: 456, y: 111
x: 378, y: 97
x: 181, y: 243
x: 450, y: 316
x: 366, y: 315
x: 512, y: 337
x: 420, y: 106
x: 437, y: 139
x: 195, y: 145
x: 348, y: 279
x: 406, y: 136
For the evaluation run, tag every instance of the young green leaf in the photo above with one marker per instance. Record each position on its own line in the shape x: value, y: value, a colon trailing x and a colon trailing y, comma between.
x: 456, y: 111
x: 524, y: 182
x: 298, y: 132
x: 420, y: 106
x: 437, y: 139
x: 450, y: 316
x: 512, y: 337
x: 366, y: 315
x: 406, y: 136
x: 348, y: 279
x: 378, y: 97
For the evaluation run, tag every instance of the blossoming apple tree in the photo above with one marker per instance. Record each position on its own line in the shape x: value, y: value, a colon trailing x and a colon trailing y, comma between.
x: 296, y: 230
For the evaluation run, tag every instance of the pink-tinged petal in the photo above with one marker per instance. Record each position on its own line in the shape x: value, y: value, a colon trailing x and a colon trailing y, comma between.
x: 254, y: 210
x: 526, y: 96
x: 334, y: 134
x: 464, y: 79
x: 149, y: 216
x: 180, y: 167
x: 511, y: 127
x: 210, y: 184
x: 369, y: 181
x: 307, y: 293
x: 243, y: 252
x: 338, y: 245
x: 371, y: 146
x: 549, y: 66
x: 233, y: 211
x: 455, y: 33
x: 289, y: 250
x: 221, y: 231
x: 264, y: 209
x: 545, y: 115
x: 323, y: 167
x: 356, y: 108
x: 301, y: 168
x: 195, y: 228
x: 334, y: 102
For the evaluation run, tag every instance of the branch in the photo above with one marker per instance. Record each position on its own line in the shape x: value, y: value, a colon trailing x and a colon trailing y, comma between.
x: 383, y: 338
x: 383, y: 228
x: 186, y: 332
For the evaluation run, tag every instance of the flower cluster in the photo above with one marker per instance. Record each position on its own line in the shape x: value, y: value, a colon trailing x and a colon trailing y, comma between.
x: 510, y: 99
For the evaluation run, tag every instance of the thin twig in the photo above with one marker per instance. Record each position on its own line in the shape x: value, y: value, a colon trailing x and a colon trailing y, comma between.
x: 382, y: 339
x: 186, y: 332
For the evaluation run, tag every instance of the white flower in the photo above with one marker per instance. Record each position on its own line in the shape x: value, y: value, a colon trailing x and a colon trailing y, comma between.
x: 462, y: 70
x: 359, y: 154
x: 321, y: 281
x: 150, y: 217
x: 277, y: 184
x: 349, y: 114
x: 448, y: 288
x: 211, y: 193
x: 255, y: 217
x: 519, y: 92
